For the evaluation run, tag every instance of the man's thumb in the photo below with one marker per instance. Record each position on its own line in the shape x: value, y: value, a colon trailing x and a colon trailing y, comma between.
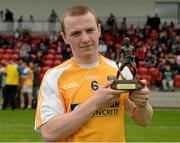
x: 107, y: 84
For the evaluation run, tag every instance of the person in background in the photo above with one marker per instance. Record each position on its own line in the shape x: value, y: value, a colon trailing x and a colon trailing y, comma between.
x: 168, y: 79
x: 27, y: 84
x: 75, y: 101
x: 12, y: 71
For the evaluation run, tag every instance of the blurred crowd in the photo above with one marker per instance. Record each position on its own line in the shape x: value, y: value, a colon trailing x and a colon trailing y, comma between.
x: 26, y: 56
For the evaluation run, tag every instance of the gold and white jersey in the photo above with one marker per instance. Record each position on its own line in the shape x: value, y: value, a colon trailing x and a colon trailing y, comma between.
x: 68, y: 85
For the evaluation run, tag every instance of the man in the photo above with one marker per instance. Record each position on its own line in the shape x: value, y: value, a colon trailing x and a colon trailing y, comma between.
x: 12, y: 72
x: 75, y: 101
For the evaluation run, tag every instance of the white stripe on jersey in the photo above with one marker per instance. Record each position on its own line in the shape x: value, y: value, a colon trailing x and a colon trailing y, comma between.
x: 51, y: 103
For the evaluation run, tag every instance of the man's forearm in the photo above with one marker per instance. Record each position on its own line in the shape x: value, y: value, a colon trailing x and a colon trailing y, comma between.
x: 63, y: 125
x: 143, y: 115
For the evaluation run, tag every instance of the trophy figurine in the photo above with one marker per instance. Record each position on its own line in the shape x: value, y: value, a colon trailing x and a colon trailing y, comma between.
x: 128, y: 52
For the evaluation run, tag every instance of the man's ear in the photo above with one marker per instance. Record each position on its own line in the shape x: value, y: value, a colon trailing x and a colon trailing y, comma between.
x: 99, y: 29
x: 64, y: 37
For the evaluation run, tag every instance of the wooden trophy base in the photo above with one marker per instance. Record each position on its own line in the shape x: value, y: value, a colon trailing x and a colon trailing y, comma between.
x: 125, y: 84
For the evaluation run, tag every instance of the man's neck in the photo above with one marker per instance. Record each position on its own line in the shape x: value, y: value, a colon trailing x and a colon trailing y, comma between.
x: 88, y: 60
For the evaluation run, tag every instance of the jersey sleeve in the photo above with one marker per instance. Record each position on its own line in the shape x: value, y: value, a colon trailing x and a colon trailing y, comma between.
x: 49, y: 102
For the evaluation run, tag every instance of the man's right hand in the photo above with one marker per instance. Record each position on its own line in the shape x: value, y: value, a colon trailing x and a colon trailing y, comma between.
x: 105, y: 95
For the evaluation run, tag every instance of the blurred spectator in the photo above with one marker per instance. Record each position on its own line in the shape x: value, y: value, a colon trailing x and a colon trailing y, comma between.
x: 9, y: 19
x: 36, y: 81
x: 27, y: 85
x: 168, y: 79
x: 53, y: 18
x: 17, y: 34
x: 39, y: 60
x: 112, y: 24
x: 31, y: 22
x: 67, y: 52
x: 1, y: 15
x: 155, y: 23
x: 20, y: 23
x: 123, y: 25
x: 102, y: 48
x: 150, y: 60
x: 148, y: 22
x: 11, y: 84
x: 53, y: 37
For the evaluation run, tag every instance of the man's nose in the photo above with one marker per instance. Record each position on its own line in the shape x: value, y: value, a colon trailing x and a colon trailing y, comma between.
x: 85, y: 37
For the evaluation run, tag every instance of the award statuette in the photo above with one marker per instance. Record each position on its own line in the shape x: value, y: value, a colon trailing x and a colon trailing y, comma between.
x: 129, y: 60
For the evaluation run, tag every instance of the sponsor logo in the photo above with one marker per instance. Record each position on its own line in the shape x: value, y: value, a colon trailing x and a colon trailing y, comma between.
x: 111, y: 110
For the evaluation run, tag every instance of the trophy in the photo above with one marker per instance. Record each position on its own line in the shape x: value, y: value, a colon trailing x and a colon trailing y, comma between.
x: 128, y: 52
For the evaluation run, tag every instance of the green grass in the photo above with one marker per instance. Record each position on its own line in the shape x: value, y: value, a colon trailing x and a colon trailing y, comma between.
x: 165, y: 127
x: 18, y: 126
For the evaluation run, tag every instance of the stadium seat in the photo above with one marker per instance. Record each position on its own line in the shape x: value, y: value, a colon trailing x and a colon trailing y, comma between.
x: 17, y: 51
x: 44, y: 69
x: 49, y: 57
x: 56, y: 62
x: 142, y: 70
x: 53, y: 46
x: 6, y: 57
x: 9, y: 51
x: 48, y: 63
x: 146, y: 77
x: 177, y: 81
x: 140, y: 54
x: 1, y: 51
x: 51, y: 51
x: 58, y: 57
x: 15, y: 56
x: 141, y: 64
x: 154, y: 72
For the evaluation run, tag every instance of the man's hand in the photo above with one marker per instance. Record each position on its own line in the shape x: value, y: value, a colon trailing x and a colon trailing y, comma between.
x: 140, y: 97
x: 105, y: 95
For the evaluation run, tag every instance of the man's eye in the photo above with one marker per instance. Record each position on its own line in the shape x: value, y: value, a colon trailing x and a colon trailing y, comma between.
x: 90, y: 30
x: 75, y: 34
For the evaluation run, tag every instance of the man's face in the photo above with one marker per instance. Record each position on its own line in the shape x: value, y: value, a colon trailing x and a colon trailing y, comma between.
x: 82, y: 34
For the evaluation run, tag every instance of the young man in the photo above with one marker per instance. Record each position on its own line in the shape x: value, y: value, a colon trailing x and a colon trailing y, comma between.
x: 75, y: 100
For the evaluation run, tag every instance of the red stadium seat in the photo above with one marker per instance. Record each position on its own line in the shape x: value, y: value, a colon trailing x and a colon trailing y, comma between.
x: 15, y: 56
x: 58, y: 57
x: 1, y: 51
x: 44, y: 69
x: 177, y: 81
x: 48, y: 63
x: 154, y: 72
x: 142, y: 70
x: 146, y: 77
x: 7, y: 57
x: 9, y: 51
x: 49, y: 57
x: 53, y: 46
x: 140, y: 54
x: 56, y: 62
x: 51, y: 51
x: 141, y: 64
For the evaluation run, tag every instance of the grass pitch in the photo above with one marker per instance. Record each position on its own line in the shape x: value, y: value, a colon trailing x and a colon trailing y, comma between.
x: 18, y: 126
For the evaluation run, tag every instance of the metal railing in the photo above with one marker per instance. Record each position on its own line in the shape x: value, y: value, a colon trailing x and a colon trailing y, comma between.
x: 45, y: 26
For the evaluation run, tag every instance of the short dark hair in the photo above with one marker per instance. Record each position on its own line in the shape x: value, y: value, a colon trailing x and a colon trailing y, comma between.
x: 76, y: 11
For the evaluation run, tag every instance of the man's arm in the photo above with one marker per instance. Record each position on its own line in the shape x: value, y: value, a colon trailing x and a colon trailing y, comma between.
x: 139, y: 108
x: 62, y: 126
